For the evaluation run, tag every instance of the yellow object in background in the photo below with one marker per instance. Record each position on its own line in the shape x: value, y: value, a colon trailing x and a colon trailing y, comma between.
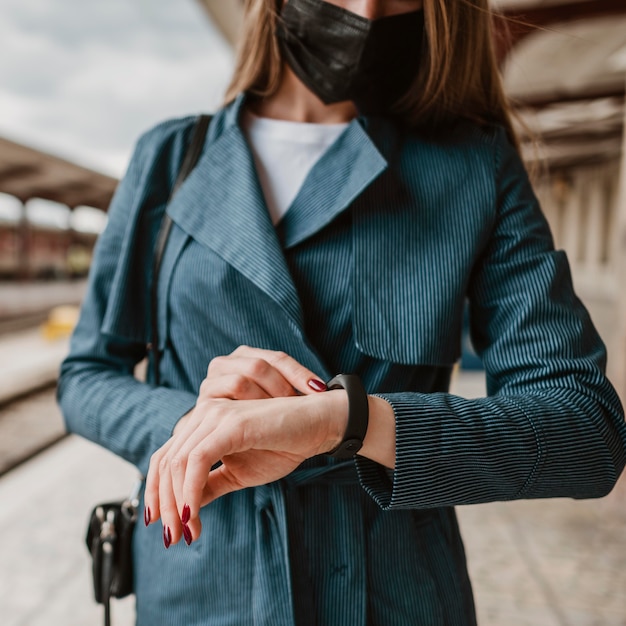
x: 60, y: 322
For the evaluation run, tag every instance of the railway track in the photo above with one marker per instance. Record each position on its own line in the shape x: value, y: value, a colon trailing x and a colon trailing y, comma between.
x: 29, y: 424
x: 23, y: 322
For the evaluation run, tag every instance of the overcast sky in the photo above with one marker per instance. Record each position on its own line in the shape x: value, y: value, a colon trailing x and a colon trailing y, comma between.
x: 83, y: 78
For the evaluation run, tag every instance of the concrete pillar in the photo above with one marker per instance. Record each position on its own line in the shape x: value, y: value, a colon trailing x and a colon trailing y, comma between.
x: 595, y: 243
x: 24, y: 240
x: 619, y: 354
x: 550, y: 207
x: 228, y: 17
x: 574, y: 220
x: 561, y: 188
x: 613, y: 220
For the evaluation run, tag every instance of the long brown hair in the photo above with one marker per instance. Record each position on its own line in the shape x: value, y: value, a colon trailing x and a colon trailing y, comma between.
x: 458, y: 78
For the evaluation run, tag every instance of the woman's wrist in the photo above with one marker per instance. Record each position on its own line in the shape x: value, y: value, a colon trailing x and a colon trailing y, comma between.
x: 379, y: 443
x: 333, y: 411
x: 380, y: 440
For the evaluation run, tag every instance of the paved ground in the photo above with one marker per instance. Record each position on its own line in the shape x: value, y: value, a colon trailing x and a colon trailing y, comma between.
x: 541, y: 563
x: 548, y: 563
x: 44, y: 504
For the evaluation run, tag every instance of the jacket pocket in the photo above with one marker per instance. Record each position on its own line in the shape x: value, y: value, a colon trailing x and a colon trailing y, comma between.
x: 409, y: 280
x: 407, y: 325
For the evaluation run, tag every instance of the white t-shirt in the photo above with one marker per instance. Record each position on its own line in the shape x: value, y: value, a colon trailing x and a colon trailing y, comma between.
x: 284, y: 153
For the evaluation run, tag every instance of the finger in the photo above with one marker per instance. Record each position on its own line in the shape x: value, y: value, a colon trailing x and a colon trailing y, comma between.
x: 218, y: 484
x: 298, y: 376
x: 170, y: 518
x: 248, y: 371
x: 199, y: 463
x: 235, y: 386
x: 151, y: 491
x: 181, y: 445
x: 190, y: 522
x: 194, y: 530
x: 152, y: 501
x: 178, y: 466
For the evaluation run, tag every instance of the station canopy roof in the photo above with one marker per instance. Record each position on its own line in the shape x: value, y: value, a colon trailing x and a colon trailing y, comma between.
x: 28, y: 173
x: 568, y: 76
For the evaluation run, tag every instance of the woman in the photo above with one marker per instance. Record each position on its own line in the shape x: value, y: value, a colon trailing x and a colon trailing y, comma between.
x: 360, y: 185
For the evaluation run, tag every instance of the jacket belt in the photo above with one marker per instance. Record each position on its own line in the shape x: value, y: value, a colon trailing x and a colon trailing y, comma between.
x: 282, y: 578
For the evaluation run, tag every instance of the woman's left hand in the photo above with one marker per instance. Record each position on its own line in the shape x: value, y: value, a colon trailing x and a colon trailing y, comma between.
x: 257, y: 441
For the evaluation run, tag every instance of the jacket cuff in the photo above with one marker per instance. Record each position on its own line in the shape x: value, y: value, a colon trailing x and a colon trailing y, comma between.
x: 450, y: 450
x: 410, y: 484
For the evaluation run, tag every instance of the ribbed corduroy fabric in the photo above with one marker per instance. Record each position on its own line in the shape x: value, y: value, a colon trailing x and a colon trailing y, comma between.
x: 367, y: 272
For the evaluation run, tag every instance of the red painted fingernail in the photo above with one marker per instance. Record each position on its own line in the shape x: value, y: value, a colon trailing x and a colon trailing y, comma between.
x: 167, y: 537
x: 316, y: 385
x: 184, y: 518
x: 147, y: 516
x: 187, y: 534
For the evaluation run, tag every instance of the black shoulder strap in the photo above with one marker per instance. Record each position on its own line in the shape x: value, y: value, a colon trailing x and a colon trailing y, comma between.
x: 191, y: 158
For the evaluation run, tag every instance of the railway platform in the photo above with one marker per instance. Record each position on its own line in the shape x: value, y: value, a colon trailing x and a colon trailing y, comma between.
x: 31, y: 300
x: 29, y: 365
x: 28, y: 361
x: 29, y: 421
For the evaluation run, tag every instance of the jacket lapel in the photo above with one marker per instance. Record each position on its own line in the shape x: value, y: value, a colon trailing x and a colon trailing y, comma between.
x: 221, y: 206
x: 349, y: 166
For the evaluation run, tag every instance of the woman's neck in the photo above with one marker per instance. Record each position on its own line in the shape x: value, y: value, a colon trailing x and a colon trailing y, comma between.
x: 294, y: 102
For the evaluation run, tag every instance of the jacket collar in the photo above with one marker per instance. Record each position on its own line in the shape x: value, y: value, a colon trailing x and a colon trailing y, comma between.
x: 221, y: 204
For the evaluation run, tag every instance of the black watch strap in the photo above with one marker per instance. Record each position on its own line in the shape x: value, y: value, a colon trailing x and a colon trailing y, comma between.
x: 358, y: 415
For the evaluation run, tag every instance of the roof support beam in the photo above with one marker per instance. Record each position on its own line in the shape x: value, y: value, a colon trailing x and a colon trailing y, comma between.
x: 620, y: 352
x: 541, y: 102
x: 227, y: 16
x: 28, y: 173
x: 514, y: 24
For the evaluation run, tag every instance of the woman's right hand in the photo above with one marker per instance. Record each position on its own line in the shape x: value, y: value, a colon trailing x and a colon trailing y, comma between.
x: 245, y: 374
x: 254, y: 374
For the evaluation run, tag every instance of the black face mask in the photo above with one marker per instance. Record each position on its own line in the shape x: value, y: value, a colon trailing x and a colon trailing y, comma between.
x: 341, y: 56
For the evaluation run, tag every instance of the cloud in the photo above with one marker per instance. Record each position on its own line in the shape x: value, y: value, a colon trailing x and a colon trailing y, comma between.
x: 84, y: 79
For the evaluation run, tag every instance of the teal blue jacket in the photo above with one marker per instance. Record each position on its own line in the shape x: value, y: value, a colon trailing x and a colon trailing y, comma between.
x: 368, y: 272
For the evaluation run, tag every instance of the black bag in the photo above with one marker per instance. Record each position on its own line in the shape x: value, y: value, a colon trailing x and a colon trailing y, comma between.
x: 109, y: 540
x: 109, y: 537
x: 111, y: 524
